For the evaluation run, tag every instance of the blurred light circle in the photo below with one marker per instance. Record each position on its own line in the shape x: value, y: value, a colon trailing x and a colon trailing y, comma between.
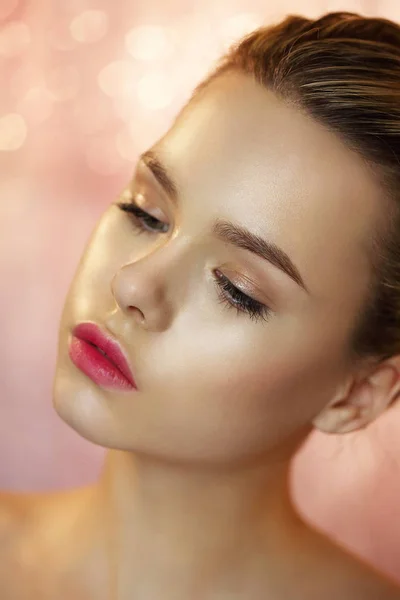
x: 15, y: 36
x: 63, y: 82
x: 7, y: 7
x: 13, y: 131
x: 117, y: 79
x: 155, y: 91
x: 237, y: 26
x: 90, y: 26
x: 148, y: 43
x: 126, y: 146
x: 102, y: 157
x: 37, y: 105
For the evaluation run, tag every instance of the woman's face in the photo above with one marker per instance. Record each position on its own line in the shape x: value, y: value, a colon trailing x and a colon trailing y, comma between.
x: 215, y: 381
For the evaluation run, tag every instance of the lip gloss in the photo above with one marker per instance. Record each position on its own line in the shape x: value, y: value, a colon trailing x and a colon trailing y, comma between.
x: 97, y: 365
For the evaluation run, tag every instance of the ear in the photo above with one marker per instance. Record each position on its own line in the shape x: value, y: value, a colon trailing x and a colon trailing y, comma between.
x: 362, y: 400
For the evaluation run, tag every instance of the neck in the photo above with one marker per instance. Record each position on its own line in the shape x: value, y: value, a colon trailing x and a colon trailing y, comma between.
x: 169, y: 523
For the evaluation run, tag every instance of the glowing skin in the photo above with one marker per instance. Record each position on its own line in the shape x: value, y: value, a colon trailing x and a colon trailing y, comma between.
x: 224, y: 400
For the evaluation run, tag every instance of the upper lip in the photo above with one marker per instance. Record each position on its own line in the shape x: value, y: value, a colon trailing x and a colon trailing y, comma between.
x: 90, y: 332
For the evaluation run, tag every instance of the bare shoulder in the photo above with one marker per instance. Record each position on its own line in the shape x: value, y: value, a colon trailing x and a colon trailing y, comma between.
x: 14, y: 521
x: 14, y: 515
x: 18, y: 515
x: 30, y: 527
x: 346, y: 576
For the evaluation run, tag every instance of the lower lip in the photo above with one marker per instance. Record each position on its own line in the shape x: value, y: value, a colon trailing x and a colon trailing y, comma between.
x: 96, y: 366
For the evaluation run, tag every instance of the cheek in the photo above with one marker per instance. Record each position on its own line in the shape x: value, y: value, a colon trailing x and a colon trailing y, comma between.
x: 223, y: 400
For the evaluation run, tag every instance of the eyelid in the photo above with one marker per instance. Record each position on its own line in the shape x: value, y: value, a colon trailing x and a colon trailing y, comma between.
x: 144, y: 177
x: 144, y: 170
x: 248, y: 287
x: 140, y: 199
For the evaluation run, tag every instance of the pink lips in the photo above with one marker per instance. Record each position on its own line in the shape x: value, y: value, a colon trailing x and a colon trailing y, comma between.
x: 110, y: 369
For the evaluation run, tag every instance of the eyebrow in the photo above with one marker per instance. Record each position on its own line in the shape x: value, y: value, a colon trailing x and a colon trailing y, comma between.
x: 225, y: 230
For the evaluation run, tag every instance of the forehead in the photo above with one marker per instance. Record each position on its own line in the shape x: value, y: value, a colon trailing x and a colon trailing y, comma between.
x: 242, y: 152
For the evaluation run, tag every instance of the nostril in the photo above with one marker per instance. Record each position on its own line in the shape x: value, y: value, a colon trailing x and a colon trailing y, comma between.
x: 140, y: 315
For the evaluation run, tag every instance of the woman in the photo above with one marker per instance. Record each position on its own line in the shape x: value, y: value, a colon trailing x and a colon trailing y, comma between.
x: 244, y: 290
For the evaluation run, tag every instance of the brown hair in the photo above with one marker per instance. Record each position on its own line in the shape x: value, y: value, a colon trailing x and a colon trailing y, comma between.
x: 344, y: 70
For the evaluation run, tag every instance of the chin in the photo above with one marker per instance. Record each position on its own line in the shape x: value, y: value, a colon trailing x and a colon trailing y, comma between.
x: 83, y: 406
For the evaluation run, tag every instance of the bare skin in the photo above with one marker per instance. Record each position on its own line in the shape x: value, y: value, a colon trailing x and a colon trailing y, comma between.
x: 58, y: 546
x: 194, y: 498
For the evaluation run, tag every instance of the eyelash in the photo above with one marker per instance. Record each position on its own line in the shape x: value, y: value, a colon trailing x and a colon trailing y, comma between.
x: 228, y: 293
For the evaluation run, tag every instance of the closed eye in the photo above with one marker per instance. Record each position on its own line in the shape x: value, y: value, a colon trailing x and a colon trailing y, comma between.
x: 142, y: 220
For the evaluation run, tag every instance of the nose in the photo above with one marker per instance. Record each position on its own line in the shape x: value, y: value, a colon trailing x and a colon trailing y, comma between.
x: 140, y: 297
x: 143, y: 289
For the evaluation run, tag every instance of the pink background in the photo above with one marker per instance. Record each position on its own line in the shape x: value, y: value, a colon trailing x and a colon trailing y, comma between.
x: 86, y: 86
